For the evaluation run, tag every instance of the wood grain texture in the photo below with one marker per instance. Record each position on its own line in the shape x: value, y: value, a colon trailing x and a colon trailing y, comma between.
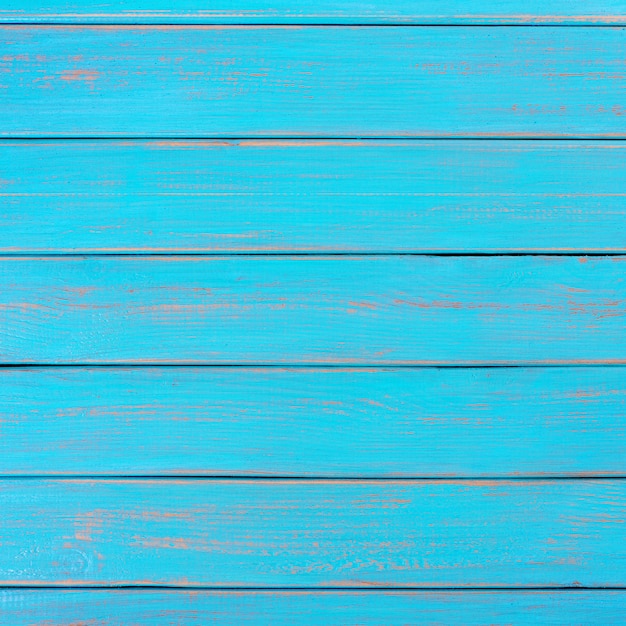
x: 313, y: 422
x: 278, y: 533
x: 320, y: 11
x: 288, y: 608
x: 312, y: 196
x: 170, y: 135
x: 225, y: 81
x: 313, y: 310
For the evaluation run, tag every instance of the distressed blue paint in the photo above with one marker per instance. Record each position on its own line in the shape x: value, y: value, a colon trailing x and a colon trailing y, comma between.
x: 313, y: 310
x: 305, y: 81
x: 312, y: 196
x: 320, y: 11
x: 314, y: 422
x: 331, y: 608
x: 313, y: 533
x: 337, y: 195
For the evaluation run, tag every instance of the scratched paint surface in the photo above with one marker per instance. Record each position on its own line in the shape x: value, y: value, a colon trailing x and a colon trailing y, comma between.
x: 332, y: 608
x: 312, y: 196
x: 233, y: 365
x: 313, y: 310
x: 321, y: 11
x: 251, y: 533
x: 310, y: 81
x: 314, y: 422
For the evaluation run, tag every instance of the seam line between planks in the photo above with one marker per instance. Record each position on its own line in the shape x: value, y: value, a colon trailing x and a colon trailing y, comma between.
x: 373, y: 590
x: 288, y: 254
x: 296, y: 24
x: 299, y: 479
x: 312, y: 366
x: 297, y: 138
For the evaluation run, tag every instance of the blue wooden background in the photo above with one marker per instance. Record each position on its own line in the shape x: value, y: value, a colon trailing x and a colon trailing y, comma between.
x: 312, y: 313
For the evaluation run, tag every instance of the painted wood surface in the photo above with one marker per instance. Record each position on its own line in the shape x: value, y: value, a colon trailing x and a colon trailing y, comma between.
x: 313, y: 310
x: 186, y: 134
x: 312, y: 196
x: 225, y: 81
x: 275, y: 533
x: 331, y: 608
x: 321, y: 11
x: 313, y: 422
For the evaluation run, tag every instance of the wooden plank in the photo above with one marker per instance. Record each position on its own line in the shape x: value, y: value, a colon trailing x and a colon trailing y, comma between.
x: 320, y: 11
x: 220, y: 81
x: 312, y: 196
x: 160, y: 607
x: 410, y: 310
x: 275, y: 533
x: 334, y: 422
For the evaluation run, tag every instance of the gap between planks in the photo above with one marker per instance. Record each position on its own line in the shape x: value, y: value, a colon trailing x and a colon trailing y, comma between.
x: 221, y: 254
x: 327, y: 24
x: 312, y: 138
x: 297, y: 479
x: 217, y: 24
x: 328, y: 590
x: 289, y: 366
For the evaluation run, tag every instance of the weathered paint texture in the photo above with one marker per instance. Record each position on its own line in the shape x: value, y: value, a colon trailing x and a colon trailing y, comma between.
x: 275, y: 533
x: 303, y: 608
x: 312, y: 196
x: 413, y: 310
x: 225, y: 81
x: 350, y: 422
x: 233, y: 365
x: 530, y: 12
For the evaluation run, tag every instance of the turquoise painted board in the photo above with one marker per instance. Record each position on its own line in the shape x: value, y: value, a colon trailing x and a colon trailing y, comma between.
x: 254, y: 308
x: 312, y: 196
x: 329, y: 422
x: 225, y: 81
x: 411, y: 310
x: 275, y: 533
x: 320, y: 11
x: 288, y: 608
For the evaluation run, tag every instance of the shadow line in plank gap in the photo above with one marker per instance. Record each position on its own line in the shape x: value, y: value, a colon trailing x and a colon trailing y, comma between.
x: 372, y: 590
x: 296, y: 138
x: 311, y: 366
x: 288, y: 254
x: 299, y: 479
x: 584, y: 22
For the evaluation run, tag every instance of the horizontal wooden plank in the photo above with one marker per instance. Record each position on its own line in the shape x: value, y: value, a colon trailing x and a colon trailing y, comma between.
x: 313, y: 422
x: 277, y: 533
x: 320, y: 11
x: 413, y: 310
x: 312, y: 196
x: 222, y: 81
x: 332, y: 608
